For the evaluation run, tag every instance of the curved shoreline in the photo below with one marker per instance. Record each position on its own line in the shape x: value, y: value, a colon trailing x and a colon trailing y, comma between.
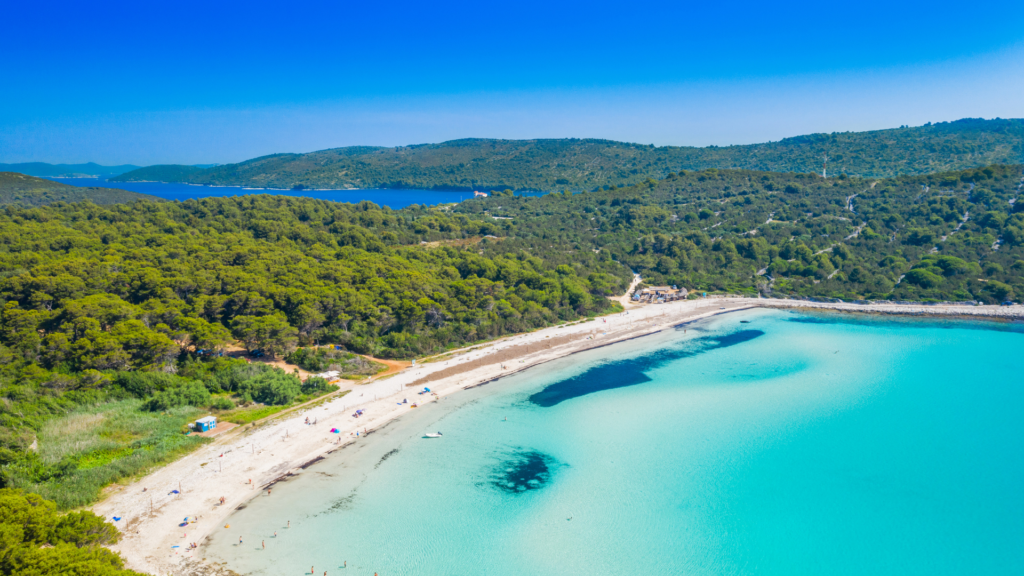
x: 225, y: 467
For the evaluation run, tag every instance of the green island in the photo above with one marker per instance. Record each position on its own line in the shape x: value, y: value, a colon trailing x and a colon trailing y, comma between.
x: 89, y: 169
x: 586, y: 164
x: 25, y: 190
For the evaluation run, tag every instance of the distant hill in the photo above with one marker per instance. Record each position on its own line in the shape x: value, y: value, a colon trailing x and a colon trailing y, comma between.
x: 161, y: 173
x: 65, y: 170
x: 585, y: 164
x: 31, y: 191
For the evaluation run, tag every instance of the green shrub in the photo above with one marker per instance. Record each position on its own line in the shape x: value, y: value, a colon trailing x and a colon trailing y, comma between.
x: 313, y: 385
x: 222, y: 403
x: 275, y: 387
x: 187, y: 394
x: 923, y: 278
x: 145, y: 384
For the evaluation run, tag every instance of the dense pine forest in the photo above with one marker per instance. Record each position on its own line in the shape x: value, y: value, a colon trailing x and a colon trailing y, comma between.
x: 585, y: 164
x: 120, y: 315
x: 116, y: 318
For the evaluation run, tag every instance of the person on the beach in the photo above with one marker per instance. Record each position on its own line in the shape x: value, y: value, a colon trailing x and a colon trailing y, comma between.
x: 239, y: 540
x: 275, y: 534
x: 264, y: 543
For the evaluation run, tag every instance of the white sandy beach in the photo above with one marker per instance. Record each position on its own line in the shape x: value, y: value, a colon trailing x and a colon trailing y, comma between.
x: 151, y: 513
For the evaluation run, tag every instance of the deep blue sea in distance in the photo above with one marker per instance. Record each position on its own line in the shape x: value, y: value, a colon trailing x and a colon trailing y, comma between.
x: 394, y: 199
x: 791, y: 444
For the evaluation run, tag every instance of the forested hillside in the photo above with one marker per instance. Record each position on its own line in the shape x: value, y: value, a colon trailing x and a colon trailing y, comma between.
x: 26, y: 190
x: 950, y: 236
x: 114, y: 317
x: 575, y: 164
x: 352, y: 274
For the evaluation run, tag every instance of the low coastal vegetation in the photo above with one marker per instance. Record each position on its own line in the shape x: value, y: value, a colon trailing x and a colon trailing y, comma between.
x: 125, y: 426
x: 93, y: 445
x: 585, y: 164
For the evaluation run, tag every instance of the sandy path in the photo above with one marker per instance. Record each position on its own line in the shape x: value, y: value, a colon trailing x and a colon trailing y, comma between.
x: 394, y: 366
x: 238, y: 351
x: 282, y: 446
x: 624, y: 300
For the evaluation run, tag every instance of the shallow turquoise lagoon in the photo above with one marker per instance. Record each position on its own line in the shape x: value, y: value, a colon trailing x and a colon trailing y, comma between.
x: 761, y: 442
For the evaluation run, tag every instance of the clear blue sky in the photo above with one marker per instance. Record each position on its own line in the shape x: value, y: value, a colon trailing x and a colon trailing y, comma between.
x: 197, y: 82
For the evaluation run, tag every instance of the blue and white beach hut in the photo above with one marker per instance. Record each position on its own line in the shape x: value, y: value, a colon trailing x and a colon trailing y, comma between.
x: 206, y: 423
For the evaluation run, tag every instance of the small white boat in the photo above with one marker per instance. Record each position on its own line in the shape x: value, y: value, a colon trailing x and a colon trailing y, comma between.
x: 432, y: 435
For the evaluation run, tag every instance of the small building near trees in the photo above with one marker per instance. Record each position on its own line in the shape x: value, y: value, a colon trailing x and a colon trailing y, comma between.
x: 204, y: 424
x: 654, y: 294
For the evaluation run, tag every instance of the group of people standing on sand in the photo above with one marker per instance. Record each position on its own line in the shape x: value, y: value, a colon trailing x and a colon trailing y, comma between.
x: 345, y: 565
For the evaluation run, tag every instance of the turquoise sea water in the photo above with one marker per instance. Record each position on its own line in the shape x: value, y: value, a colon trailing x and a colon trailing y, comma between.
x: 790, y: 444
